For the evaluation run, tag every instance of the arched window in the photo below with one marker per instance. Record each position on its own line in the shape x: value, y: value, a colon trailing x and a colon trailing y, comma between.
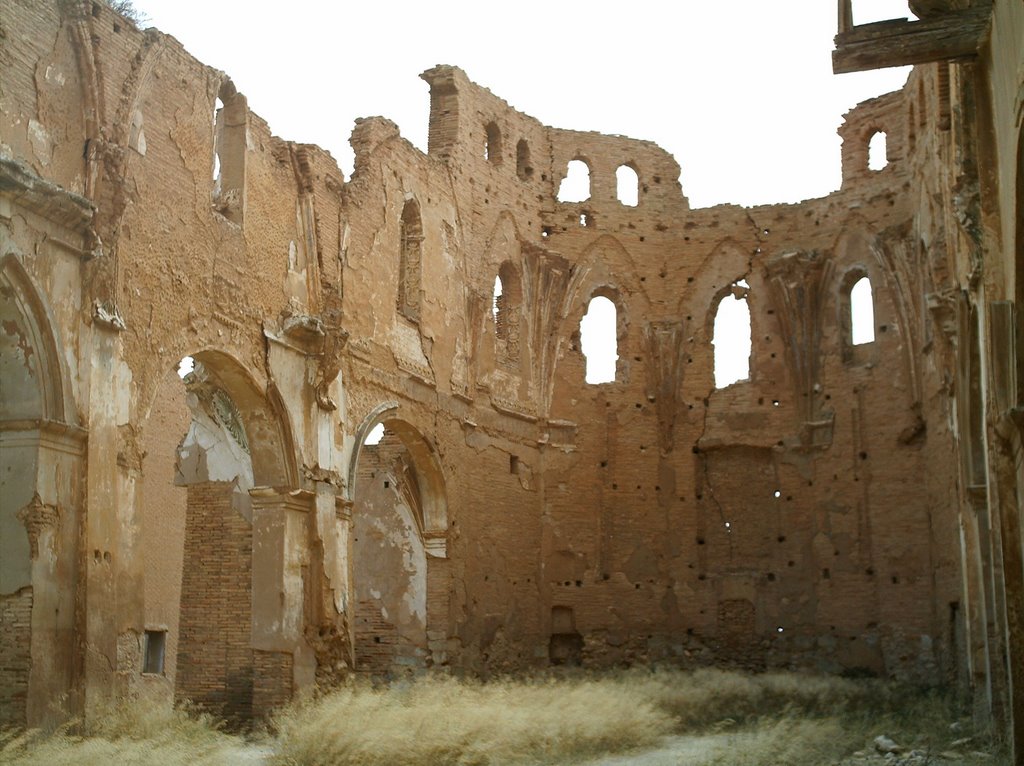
x: 410, y: 263
x: 862, y: 313
x: 492, y: 143
x: 877, y: 158
x: 523, y: 167
x: 627, y: 184
x: 507, y: 311
x: 575, y: 187
x: 731, y: 337
x: 599, y: 340
x: 230, y: 117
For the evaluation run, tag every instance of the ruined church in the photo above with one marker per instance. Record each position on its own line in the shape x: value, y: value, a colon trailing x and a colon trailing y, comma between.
x: 263, y: 426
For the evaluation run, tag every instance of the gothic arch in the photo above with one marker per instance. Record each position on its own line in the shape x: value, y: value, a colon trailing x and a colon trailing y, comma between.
x: 263, y: 415
x: 429, y: 475
x: 47, y: 366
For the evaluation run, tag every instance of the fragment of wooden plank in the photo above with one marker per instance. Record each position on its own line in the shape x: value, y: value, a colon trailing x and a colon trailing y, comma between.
x: 900, y: 42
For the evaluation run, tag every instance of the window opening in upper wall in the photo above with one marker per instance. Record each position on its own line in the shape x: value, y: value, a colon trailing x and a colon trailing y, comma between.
x: 731, y: 337
x: 410, y: 262
x: 507, y: 309
x: 627, y: 185
x: 523, y: 167
x: 498, y: 289
x: 218, y: 107
x: 862, y: 313
x: 877, y: 151
x: 376, y: 434
x: 492, y: 144
x: 599, y: 340
x: 575, y: 187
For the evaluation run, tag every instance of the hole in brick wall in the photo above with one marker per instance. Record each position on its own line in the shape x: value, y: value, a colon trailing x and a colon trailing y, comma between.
x: 586, y: 219
x: 598, y: 331
x: 876, y: 151
x: 575, y: 187
x: 627, y: 185
x: 776, y: 494
x: 498, y: 290
x: 153, y: 651
x: 375, y: 435
x: 731, y: 340
x: 387, y: 484
x: 523, y: 167
x: 513, y: 464
x: 546, y: 231
x: 780, y: 629
x: 826, y: 574
x: 185, y: 366
x: 862, y: 312
x: 775, y: 402
x: 492, y: 143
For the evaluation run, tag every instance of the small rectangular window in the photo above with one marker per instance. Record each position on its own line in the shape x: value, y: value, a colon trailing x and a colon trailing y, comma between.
x: 153, y: 652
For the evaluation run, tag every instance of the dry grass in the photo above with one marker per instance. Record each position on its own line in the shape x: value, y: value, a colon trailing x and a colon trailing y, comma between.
x: 442, y: 722
x: 139, y: 733
x: 703, y: 718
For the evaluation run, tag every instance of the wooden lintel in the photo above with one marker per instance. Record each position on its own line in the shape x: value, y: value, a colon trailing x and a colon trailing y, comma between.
x: 900, y: 42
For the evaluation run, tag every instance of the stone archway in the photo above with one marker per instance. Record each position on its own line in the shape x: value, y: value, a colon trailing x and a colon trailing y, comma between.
x: 41, y: 493
x: 398, y: 549
x: 231, y: 480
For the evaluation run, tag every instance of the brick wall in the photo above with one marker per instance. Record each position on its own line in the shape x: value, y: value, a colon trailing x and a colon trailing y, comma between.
x: 376, y: 639
x: 272, y: 680
x: 215, y: 657
x: 15, y: 658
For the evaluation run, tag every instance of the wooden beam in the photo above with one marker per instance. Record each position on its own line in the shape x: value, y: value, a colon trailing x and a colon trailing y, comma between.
x: 845, y: 16
x: 900, y: 42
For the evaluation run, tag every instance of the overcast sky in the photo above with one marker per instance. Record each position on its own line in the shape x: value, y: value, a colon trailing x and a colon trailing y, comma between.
x: 741, y: 92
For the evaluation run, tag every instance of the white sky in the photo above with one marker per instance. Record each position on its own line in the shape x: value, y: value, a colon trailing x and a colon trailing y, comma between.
x: 741, y: 92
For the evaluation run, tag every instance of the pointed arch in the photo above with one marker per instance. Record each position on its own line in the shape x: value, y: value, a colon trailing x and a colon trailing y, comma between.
x: 410, y: 260
x: 429, y: 475
x: 263, y: 415
x: 508, y: 309
x: 38, y: 324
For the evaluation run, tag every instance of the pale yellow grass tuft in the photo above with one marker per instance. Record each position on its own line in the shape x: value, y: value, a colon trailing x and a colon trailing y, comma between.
x: 127, y: 734
x: 442, y: 722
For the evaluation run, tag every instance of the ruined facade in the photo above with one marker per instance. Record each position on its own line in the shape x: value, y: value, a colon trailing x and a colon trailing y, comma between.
x: 234, y: 536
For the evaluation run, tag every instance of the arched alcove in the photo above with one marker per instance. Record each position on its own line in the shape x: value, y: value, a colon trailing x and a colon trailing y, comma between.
x: 213, y: 439
x: 507, y: 311
x: 41, y: 490
x: 399, y: 526
x: 410, y: 261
